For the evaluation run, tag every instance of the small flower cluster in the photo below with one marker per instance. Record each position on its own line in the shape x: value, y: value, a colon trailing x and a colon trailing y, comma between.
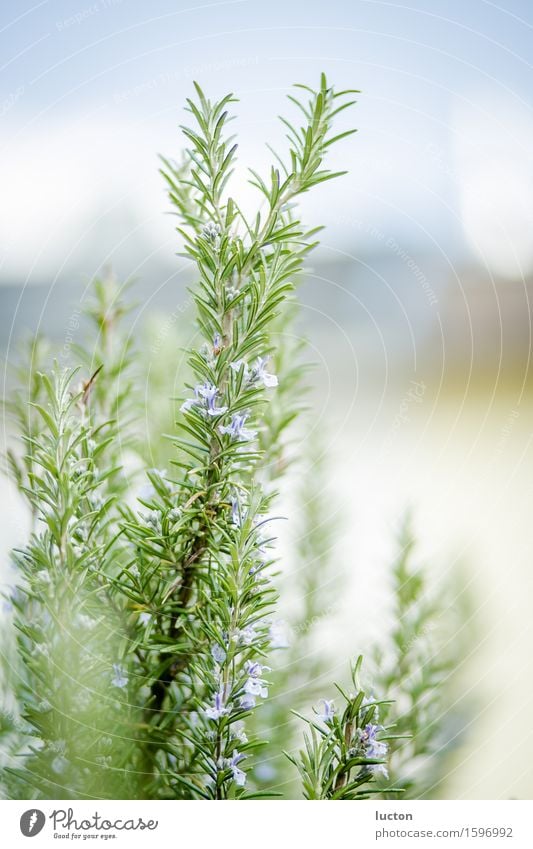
x: 328, y: 712
x: 345, y: 755
x: 120, y: 679
x: 219, y: 708
x: 230, y: 699
x: 211, y: 232
x: 238, y: 775
x: 206, y: 395
x: 256, y: 374
x: 255, y: 686
x: 69, y: 626
x: 374, y: 748
x: 236, y: 429
x: 204, y: 400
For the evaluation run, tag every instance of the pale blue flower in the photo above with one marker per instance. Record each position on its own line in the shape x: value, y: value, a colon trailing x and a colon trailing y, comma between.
x: 153, y: 518
x: 211, y: 231
x: 236, y: 366
x: 120, y: 679
x: 217, y: 653
x: 239, y: 776
x: 209, y: 393
x: 374, y: 748
x: 247, y: 635
x: 256, y: 687
x: 257, y: 373
x: 247, y: 701
x: 328, y: 712
x: 205, y: 398
x: 369, y: 702
x: 219, y: 709
x: 238, y: 732
x: 254, y: 669
x: 236, y: 429
x: 145, y: 618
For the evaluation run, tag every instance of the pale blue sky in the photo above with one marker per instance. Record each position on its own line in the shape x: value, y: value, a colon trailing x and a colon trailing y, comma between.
x: 91, y: 91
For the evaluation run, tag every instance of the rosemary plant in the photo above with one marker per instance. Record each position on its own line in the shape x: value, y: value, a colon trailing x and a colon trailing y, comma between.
x: 308, y: 582
x: 416, y: 666
x: 204, y: 547
x: 68, y: 626
x: 145, y: 610
x: 345, y: 752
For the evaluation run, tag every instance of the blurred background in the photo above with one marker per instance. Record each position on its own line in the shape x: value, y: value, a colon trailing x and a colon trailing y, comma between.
x: 417, y: 305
